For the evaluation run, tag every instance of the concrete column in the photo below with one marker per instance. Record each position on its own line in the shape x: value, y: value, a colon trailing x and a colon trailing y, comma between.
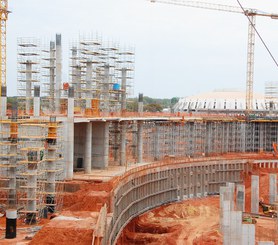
x: 28, y: 86
x: 140, y: 104
x: 123, y: 144
x: 254, y: 194
x: 272, y: 188
x: 139, y: 142
x: 50, y: 186
x: 37, y: 103
x: 248, y: 234
x: 226, y: 209
x: 266, y: 243
x: 88, y: 149
x: 3, y: 101
x: 236, y: 229
x: 106, y: 88
x: 123, y: 88
x: 52, y: 77
x: 89, y: 71
x: 156, y: 142
x: 69, y: 149
x: 240, y: 198
x: 231, y: 193
x: 100, y: 144
x: 58, y: 72
x: 12, y: 163
x: 31, y: 208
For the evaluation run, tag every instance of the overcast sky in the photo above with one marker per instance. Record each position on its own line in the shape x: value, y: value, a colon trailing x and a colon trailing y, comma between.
x: 180, y: 51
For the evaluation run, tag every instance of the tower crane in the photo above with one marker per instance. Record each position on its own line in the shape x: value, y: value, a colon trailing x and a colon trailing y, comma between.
x: 3, y: 19
x: 251, y: 15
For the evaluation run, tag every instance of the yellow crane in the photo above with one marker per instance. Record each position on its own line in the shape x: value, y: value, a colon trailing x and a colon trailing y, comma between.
x: 3, y: 18
x: 251, y: 14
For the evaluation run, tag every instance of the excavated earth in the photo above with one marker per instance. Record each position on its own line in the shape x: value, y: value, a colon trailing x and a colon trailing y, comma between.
x: 193, y: 221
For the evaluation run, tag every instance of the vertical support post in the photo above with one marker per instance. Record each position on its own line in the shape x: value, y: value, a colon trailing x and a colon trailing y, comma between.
x: 3, y: 101
x: 231, y: 193
x: 254, y: 194
x: 139, y: 142
x: 123, y: 88
x: 58, y: 72
x: 123, y: 144
x: 248, y: 234
x: 70, y: 134
x: 37, y: 101
x: 106, y: 88
x: 106, y: 145
x: 11, y: 216
x: 140, y: 104
x: 236, y: 229
x: 272, y: 188
x: 52, y: 76
x: 88, y: 149
x: 240, y: 198
x: 89, y: 71
x: 157, y: 142
x: 28, y: 86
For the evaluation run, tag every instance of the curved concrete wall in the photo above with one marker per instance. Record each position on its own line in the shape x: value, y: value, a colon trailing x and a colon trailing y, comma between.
x: 151, y: 186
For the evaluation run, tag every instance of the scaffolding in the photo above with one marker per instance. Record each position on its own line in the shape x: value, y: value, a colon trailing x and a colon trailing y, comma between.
x: 28, y: 61
x: 271, y: 95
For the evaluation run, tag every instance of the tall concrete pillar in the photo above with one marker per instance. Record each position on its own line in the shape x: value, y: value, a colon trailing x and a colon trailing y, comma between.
x: 123, y: 143
x: 231, y: 193
x: 37, y: 103
x: 272, y: 188
x: 58, y: 72
x: 13, y: 162
x: 123, y: 88
x: 157, y: 143
x: 106, y: 88
x: 100, y: 144
x: 69, y: 149
x: 28, y: 86
x: 266, y: 243
x: 89, y: 72
x: 236, y: 227
x: 50, y: 164
x: 254, y: 194
x: 139, y: 142
x: 31, y: 207
x: 240, y: 198
x: 3, y: 101
x: 140, y: 104
x: 226, y: 222
x: 88, y: 149
x: 248, y: 234
x: 52, y: 77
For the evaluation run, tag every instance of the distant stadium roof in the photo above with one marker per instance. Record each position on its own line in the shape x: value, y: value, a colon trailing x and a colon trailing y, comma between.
x: 221, y: 100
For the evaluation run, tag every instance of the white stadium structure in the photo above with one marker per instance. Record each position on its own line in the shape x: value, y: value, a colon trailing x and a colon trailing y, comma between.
x: 223, y: 100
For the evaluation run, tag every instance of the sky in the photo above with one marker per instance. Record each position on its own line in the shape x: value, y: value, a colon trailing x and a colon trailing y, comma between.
x: 180, y: 51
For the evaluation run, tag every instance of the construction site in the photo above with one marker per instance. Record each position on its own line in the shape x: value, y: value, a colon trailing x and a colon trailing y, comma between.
x: 78, y: 167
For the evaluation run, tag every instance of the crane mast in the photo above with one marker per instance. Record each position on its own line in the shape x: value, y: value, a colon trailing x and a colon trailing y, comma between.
x: 251, y: 14
x: 3, y: 18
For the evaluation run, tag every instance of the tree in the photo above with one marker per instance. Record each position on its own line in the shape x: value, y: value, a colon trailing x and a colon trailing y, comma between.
x: 153, y: 108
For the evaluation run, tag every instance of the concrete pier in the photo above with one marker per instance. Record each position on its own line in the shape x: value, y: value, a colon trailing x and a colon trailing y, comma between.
x: 248, y: 234
x: 139, y: 142
x: 123, y: 144
x: 236, y: 227
x: 272, y: 188
x: 37, y: 102
x: 88, y: 149
x: 89, y: 71
x: 100, y: 144
x: 58, y: 72
x: 231, y: 194
x: 123, y: 88
x: 255, y: 194
x: 240, y: 198
x: 52, y: 60
x: 69, y: 135
x: 3, y: 101
x: 28, y: 86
